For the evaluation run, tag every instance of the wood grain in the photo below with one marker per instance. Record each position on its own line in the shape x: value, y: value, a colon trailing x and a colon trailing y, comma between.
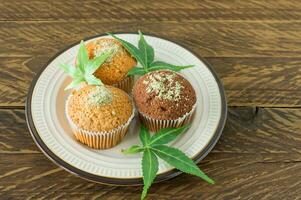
x: 207, y: 38
x: 237, y: 176
x: 143, y: 10
x: 15, y: 78
x: 264, y: 82
x: 253, y: 45
x: 248, y: 82
x: 14, y: 134
x: 269, y: 140
x: 266, y: 131
x: 257, y: 152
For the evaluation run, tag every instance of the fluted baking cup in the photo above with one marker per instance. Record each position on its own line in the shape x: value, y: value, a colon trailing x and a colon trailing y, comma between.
x: 126, y: 84
x: 157, y: 124
x: 99, y: 139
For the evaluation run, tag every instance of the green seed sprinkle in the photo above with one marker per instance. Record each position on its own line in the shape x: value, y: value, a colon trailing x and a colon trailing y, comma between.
x: 164, y: 85
x: 103, y: 46
x: 100, y: 96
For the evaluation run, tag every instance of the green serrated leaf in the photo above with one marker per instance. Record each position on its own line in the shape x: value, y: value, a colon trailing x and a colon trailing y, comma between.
x: 159, y: 65
x: 149, y: 169
x: 133, y: 149
x: 136, y: 71
x: 180, y: 161
x: 70, y: 70
x: 93, y: 65
x: 92, y: 80
x: 144, y: 135
x: 134, y: 51
x: 166, y: 135
x: 82, y: 57
x: 146, y: 50
x: 74, y: 83
x: 85, y: 67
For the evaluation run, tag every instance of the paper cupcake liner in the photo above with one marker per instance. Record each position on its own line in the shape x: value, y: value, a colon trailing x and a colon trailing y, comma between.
x: 99, y: 139
x: 157, y: 124
x: 126, y: 84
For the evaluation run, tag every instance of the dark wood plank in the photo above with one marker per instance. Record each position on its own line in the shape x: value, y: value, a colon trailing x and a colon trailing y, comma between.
x: 255, y: 158
x: 207, y: 38
x: 165, y: 10
x: 270, y: 130
x: 14, y: 134
x: 16, y: 75
x: 238, y: 176
x: 248, y: 82
x: 253, y: 45
x: 261, y: 82
x: 262, y: 130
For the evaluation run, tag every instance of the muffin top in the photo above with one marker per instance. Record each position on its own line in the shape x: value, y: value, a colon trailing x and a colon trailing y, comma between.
x: 116, y: 67
x: 164, y: 95
x: 99, y: 108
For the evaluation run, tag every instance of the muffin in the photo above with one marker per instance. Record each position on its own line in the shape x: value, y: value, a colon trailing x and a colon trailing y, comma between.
x: 114, y: 70
x: 164, y: 99
x: 99, y: 115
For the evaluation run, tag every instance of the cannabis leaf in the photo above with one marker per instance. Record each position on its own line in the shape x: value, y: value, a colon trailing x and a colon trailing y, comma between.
x: 166, y: 135
x: 136, y: 71
x: 83, y: 72
x: 155, y: 146
x: 157, y: 65
x: 131, y: 48
x: 144, y: 54
x: 146, y: 50
x: 179, y: 160
x: 133, y: 149
x: 144, y: 135
x: 149, y: 169
x: 82, y: 56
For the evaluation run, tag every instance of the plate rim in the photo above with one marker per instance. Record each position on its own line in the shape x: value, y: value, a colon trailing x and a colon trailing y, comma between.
x: 110, y: 180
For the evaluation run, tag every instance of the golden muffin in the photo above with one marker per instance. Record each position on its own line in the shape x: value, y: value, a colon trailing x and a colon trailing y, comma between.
x: 99, y: 115
x: 114, y: 70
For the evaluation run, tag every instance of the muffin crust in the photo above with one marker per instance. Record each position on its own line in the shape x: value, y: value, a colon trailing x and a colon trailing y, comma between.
x: 164, y: 95
x: 117, y: 66
x: 106, y: 116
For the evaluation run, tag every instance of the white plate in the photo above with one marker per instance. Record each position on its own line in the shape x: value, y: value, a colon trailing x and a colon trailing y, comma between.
x: 50, y: 130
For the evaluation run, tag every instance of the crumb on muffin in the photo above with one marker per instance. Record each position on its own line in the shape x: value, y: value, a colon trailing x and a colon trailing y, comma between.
x: 117, y: 66
x: 164, y: 95
x: 91, y: 110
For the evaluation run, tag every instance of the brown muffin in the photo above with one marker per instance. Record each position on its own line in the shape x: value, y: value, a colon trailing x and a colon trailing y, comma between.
x: 116, y: 67
x: 164, y: 95
x: 99, y: 115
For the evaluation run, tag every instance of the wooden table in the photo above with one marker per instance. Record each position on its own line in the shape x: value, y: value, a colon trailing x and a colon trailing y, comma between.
x: 254, y: 46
